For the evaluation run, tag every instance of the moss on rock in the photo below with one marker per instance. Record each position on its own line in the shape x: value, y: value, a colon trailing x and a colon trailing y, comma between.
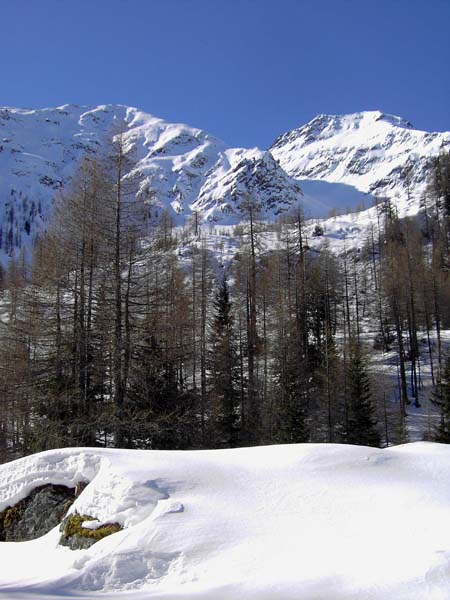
x: 2, y: 525
x: 76, y: 536
x: 10, y: 517
x: 14, y: 514
x: 67, y: 505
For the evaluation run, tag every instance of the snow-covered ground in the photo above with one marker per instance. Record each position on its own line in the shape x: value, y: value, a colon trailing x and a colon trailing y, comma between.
x: 310, y: 522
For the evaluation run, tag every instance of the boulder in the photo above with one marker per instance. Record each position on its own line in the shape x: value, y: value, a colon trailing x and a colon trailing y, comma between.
x: 37, y: 514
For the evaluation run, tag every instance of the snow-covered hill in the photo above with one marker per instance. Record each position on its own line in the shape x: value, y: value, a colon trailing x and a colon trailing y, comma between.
x: 272, y: 523
x: 375, y: 153
x: 187, y: 169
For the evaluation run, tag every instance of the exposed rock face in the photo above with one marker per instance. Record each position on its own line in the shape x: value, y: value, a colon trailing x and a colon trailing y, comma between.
x: 37, y: 514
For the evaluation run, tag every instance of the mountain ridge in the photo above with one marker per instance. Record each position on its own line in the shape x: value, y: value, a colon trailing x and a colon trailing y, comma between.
x: 192, y: 171
x: 188, y: 170
x: 377, y: 153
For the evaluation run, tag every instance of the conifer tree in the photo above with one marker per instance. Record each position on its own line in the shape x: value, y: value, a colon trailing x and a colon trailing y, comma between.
x: 361, y: 412
x: 292, y: 386
x: 223, y: 370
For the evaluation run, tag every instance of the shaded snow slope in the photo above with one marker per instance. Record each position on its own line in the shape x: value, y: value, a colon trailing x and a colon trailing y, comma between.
x: 321, y: 197
x: 371, y: 151
x: 273, y: 523
x: 185, y: 168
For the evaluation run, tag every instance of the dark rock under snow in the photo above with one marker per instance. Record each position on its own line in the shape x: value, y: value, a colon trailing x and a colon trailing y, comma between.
x: 37, y: 514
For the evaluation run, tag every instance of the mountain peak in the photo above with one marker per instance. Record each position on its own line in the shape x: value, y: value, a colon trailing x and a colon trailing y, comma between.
x: 369, y: 150
x: 365, y: 118
x: 186, y: 168
x: 391, y: 119
x: 324, y: 125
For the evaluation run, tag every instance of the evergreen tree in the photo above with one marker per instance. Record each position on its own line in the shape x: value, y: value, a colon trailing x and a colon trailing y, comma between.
x: 293, y: 396
x: 361, y: 428
x: 223, y: 370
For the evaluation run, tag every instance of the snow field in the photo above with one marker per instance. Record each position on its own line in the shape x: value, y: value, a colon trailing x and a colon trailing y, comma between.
x: 281, y: 522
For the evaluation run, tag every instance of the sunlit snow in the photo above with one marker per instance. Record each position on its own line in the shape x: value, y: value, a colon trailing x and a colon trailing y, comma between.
x: 272, y: 523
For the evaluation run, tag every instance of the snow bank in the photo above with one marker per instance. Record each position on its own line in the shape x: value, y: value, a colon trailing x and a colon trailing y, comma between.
x: 270, y: 523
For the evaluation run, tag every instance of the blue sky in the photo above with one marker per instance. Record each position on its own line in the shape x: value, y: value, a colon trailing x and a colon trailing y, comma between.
x: 245, y: 70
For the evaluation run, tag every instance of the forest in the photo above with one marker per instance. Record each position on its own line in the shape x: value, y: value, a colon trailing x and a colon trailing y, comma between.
x: 112, y: 336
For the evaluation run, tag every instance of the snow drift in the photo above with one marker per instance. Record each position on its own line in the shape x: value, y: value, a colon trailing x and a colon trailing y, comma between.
x: 279, y: 523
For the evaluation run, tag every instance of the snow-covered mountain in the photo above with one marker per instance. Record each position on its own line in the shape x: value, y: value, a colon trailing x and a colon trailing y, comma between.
x: 376, y: 153
x: 187, y: 169
x: 312, y: 521
x: 337, y: 161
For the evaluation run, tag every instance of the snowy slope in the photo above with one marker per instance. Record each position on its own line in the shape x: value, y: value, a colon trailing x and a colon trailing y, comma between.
x: 340, y: 162
x: 370, y: 151
x: 315, y: 522
x: 186, y: 169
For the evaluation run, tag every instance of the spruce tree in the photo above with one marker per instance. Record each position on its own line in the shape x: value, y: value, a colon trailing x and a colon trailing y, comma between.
x: 361, y: 428
x: 292, y: 386
x: 223, y: 371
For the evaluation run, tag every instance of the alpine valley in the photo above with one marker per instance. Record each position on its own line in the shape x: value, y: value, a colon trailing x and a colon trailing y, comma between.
x: 213, y: 359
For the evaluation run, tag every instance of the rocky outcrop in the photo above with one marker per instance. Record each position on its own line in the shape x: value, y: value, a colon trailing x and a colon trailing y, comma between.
x: 37, y: 514
x: 45, y: 508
